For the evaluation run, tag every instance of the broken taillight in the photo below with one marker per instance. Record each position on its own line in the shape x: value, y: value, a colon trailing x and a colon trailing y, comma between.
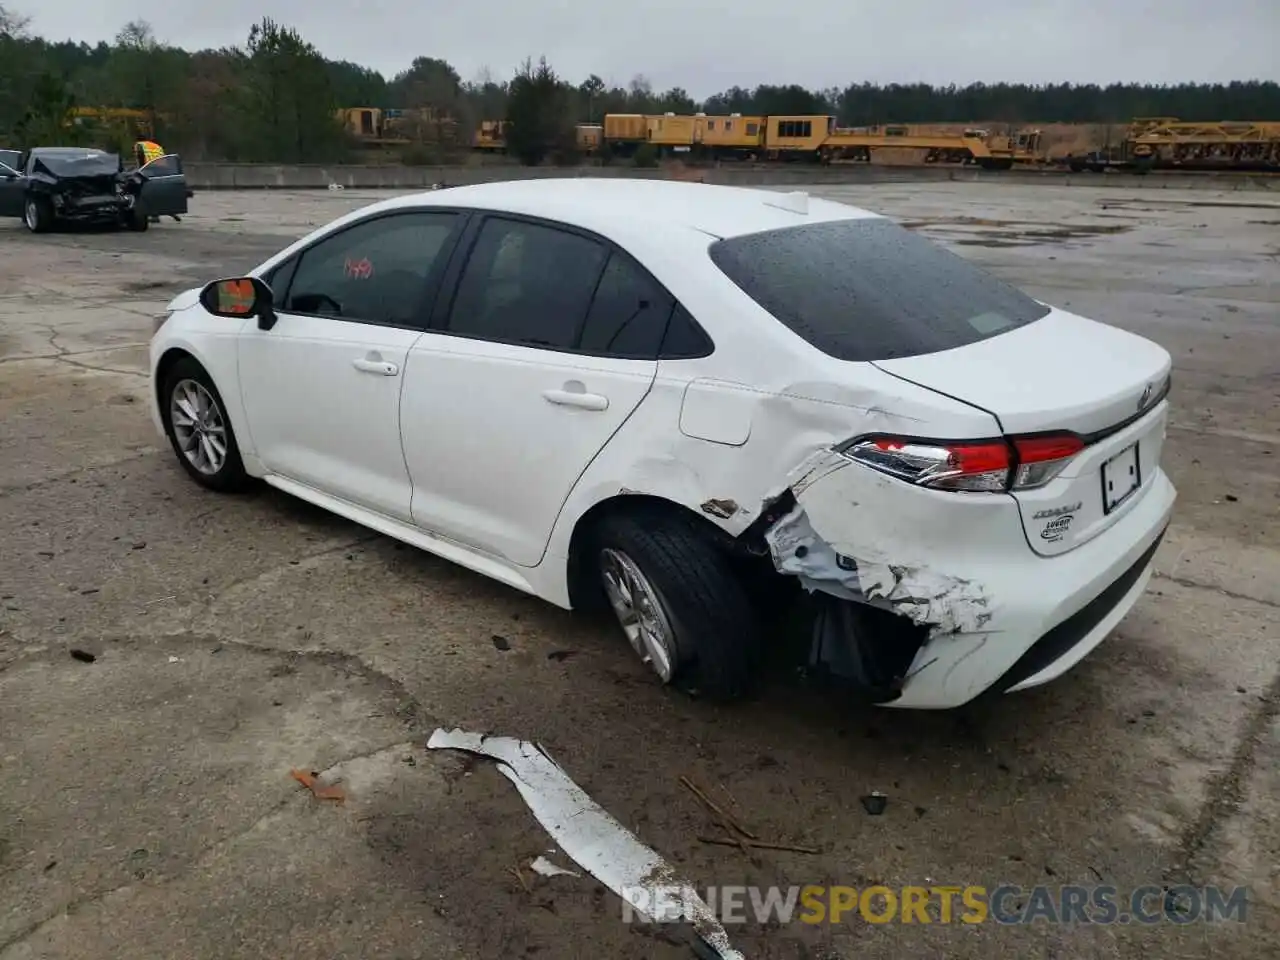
x: 982, y: 466
x: 1041, y: 457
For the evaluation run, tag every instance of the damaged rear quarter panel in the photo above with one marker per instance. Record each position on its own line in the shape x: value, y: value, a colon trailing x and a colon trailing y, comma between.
x: 792, y: 422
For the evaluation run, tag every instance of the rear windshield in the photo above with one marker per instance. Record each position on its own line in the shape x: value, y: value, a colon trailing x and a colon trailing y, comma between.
x: 869, y: 289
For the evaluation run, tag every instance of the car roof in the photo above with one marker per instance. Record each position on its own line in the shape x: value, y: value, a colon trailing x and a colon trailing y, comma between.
x: 607, y: 205
x: 68, y: 152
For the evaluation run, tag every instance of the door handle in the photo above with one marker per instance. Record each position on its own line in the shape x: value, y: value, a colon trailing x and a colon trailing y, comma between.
x: 576, y: 398
x: 381, y: 367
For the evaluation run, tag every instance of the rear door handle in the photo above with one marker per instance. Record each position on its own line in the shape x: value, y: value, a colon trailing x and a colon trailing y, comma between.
x: 575, y: 398
x: 381, y: 367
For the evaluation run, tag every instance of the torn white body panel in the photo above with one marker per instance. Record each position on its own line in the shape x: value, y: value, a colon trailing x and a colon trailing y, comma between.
x: 959, y: 564
x: 587, y: 833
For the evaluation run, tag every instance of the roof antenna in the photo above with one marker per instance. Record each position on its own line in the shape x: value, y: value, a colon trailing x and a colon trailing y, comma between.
x: 797, y: 201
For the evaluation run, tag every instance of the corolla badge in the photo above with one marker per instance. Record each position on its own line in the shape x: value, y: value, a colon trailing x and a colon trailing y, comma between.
x: 1058, y: 511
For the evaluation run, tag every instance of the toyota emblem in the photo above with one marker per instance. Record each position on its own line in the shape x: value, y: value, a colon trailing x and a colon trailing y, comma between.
x: 1146, y: 395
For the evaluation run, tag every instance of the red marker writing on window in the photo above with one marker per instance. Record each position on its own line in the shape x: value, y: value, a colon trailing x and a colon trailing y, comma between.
x: 361, y: 269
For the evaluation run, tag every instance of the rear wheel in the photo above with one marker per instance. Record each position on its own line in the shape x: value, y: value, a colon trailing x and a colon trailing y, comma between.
x: 37, y: 214
x: 679, y: 602
x: 198, y: 428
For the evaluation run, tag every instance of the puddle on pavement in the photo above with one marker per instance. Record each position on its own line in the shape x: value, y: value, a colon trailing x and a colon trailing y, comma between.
x: 983, y: 232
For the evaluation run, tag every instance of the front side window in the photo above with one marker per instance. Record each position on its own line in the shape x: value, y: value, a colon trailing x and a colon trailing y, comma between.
x: 869, y: 289
x: 375, y: 272
x: 527, y: 284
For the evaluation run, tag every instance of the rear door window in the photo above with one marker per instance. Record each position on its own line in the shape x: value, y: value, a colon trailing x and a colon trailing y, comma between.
x: 869, y: 289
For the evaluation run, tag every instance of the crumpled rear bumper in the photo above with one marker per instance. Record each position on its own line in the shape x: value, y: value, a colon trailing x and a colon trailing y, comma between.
x: 960, y: 566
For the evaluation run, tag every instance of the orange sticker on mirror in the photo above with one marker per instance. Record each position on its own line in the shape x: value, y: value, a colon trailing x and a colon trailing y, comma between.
x: 236, y: 296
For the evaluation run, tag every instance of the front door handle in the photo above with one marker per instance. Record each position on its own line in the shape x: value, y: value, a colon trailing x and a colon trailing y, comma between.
x: 577, y: 398
x: 381, y: 367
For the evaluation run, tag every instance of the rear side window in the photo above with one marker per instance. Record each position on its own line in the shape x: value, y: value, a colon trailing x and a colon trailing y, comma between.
x: 869, y: 289
x: 684, y: 337
x: 628, y: 314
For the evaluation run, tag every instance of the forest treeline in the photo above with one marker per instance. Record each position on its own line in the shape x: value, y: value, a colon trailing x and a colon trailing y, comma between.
x: 275, y: 97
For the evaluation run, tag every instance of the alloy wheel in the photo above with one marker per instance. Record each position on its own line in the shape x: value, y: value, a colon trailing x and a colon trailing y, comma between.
x: 639, y: 611
x: 198, y: 426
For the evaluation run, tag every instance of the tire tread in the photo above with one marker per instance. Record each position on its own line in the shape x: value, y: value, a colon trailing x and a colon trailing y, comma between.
x: 717, y: 629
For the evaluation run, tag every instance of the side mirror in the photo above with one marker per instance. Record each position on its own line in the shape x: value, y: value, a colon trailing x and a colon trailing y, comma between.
x: 238, y: 297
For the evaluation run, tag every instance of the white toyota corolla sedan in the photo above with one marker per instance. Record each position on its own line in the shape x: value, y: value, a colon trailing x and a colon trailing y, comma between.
x: 642, y: 394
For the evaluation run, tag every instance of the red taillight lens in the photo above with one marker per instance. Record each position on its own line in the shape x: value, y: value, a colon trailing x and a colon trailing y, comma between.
x: 982, y: 466
x: 978, y: 466
x: 1041, y: 458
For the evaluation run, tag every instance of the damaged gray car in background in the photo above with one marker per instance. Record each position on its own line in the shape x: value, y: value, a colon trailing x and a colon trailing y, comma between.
x: 47, y: 186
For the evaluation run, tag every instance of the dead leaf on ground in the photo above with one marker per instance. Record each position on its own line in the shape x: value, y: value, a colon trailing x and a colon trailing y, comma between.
x: 318, y: 790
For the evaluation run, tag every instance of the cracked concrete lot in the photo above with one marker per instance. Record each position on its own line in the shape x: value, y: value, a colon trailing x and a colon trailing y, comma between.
x: 146, y: 804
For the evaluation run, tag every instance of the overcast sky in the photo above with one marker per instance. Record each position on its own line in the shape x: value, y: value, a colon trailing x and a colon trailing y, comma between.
x: 710, y: 46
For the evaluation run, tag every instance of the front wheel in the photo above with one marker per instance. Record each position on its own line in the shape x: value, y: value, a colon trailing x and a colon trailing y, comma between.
x: 136, y: 220
x: 37, y: 214
x: 198, y: 428
x: 679, y: 602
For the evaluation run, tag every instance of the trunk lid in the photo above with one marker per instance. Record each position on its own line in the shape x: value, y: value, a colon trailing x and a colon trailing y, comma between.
x: 1065, y: 373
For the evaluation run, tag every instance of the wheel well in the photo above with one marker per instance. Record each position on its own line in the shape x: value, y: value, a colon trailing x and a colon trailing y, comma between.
x: 582, y: 588
x: 167, y: 360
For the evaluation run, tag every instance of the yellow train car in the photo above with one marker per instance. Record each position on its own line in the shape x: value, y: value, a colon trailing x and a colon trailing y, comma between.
x: 732, y: 134
x: 363, y: 123
x: 1226, y: 144
x: 138, y: 123
x: 671, y: 133
x: 491, y: 136
x: 589, y: 137
x: 797, y: 137
x: 621, y: 129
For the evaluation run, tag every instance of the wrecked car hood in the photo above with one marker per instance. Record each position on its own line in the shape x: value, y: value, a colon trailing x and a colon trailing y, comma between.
x: 86, y: 165
x: 1061, y: 372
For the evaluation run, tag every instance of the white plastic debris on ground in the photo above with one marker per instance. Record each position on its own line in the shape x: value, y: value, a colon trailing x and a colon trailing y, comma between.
x: 544, y: 867
x: 587, y: 833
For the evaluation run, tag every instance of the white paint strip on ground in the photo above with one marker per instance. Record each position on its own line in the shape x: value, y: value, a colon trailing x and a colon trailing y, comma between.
x: 587, y: 833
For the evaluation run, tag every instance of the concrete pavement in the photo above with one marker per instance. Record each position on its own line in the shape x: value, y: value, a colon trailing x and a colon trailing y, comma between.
x: 146, y: 807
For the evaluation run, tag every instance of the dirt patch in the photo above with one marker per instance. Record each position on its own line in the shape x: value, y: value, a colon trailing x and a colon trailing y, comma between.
x: 147, y: 286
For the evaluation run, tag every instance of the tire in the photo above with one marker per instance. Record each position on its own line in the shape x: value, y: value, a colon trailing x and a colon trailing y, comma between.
x: 37, y: 214
x: 714, y: 640
x: 189, y: 379
x: 136, y: 221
